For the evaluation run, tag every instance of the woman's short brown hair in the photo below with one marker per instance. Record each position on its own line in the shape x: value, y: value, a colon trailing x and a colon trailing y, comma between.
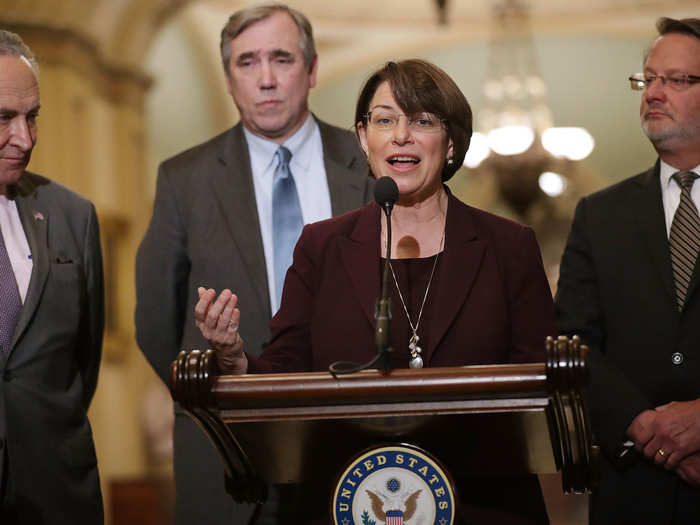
x: 419, y: 86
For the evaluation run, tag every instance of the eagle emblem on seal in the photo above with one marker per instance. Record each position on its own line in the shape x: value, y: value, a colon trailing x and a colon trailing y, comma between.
x: 395, y: 504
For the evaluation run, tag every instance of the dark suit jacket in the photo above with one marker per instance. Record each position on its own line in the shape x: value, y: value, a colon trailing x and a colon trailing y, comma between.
x: 50, y: 375
x: 493, y: 305
x: 205, y: 231
x: 616, y: 292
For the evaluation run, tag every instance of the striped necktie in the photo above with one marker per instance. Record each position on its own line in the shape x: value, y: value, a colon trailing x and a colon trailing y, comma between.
x: 287, y: 220
x: 684, y: 239
x: 10, y: 300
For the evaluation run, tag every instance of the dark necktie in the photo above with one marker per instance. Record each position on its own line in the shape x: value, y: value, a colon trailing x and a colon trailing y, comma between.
x: 287, y: 220
x: 684, y: 240
x: 10, y: 300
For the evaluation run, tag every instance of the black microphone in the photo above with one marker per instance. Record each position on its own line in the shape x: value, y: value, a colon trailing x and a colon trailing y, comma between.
x: 386, y: 193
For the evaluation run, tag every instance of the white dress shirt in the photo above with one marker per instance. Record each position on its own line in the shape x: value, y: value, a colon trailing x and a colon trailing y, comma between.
x: 309, y: 174
x: 16, y: 244
x: 671, y: 192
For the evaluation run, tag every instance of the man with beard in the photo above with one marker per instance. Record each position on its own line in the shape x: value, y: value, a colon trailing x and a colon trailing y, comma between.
x: 629, y: 286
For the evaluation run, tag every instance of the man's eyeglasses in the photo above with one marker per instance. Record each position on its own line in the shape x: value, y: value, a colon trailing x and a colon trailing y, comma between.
x: 388, y: 120
x: 677, y: 82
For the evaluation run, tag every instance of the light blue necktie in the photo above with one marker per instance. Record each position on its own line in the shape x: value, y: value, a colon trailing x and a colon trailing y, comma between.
x: 10, y: 300
x: 287, y: 220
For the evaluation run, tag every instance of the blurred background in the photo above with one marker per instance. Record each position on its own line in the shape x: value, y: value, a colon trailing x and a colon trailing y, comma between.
x: 128, y: 83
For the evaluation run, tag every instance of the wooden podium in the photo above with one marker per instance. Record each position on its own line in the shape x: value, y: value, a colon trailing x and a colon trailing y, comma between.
x: 500, y: 419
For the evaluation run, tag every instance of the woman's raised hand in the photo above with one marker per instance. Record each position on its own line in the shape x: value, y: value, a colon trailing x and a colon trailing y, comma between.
x: 218, y: 320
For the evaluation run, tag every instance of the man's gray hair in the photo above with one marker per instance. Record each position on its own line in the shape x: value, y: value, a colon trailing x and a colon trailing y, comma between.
x: 12, y: 45
x: 243, y: 19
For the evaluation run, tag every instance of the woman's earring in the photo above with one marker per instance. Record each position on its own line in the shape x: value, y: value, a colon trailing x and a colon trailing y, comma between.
x: 450, y: 161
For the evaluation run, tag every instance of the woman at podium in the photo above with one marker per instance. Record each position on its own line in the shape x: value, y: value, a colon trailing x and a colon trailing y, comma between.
x: 466, y: 287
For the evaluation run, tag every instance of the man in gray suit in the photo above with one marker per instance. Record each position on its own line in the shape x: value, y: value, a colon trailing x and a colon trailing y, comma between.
x: 219, y: 220
x: 630, y: 287
x: 51, y: 321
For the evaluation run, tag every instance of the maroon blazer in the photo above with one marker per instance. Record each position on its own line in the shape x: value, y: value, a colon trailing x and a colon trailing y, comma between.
x: 492, y: 302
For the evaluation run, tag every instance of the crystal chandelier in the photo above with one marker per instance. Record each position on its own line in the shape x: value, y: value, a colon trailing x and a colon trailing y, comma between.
x: 517, y: 139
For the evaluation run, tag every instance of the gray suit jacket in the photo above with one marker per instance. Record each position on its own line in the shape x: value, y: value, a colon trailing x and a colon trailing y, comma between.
x: 616, y: 292
x: 205, y: 231
x: 47, y: 455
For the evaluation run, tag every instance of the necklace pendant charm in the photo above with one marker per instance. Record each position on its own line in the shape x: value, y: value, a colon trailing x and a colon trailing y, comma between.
x: 416, y: 361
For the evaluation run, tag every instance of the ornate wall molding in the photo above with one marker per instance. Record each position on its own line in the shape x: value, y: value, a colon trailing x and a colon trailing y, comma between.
x: 67, y: 48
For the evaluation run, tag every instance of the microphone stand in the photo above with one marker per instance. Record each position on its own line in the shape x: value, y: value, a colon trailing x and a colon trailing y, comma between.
x: 382, y: 308
x: 386, y: 193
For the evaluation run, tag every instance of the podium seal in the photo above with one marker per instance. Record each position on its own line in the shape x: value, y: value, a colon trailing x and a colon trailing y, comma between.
x: 393, y: 485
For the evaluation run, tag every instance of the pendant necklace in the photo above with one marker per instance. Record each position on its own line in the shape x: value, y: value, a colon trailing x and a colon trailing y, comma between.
x: 416, y: 361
